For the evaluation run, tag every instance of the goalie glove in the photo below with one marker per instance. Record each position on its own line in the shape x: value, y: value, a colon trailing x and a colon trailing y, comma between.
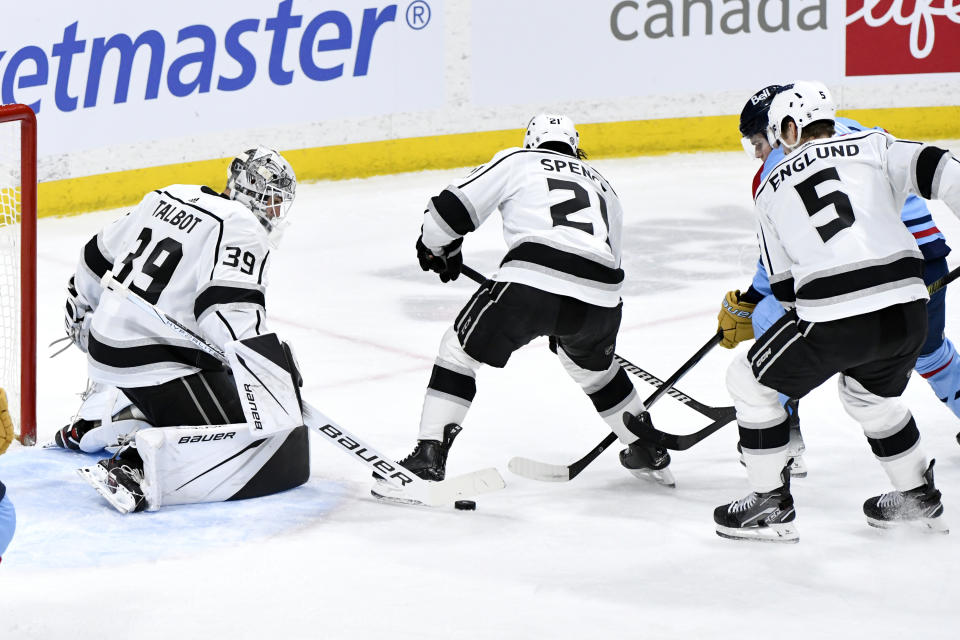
x: 77, y: 317
x: 735, y: 320
x: 447, y: 263
x: 6, y: 423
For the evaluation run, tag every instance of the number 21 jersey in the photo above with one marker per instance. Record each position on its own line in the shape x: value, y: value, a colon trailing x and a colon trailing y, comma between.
x: 562, y: 222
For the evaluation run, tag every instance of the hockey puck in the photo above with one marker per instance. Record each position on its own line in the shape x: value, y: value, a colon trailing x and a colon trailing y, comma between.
x: 465, y: 505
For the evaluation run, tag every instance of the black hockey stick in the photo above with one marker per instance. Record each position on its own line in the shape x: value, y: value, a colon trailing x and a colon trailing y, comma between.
x: 936, y: 285
x: 562, y: 473
x: 714, y: 413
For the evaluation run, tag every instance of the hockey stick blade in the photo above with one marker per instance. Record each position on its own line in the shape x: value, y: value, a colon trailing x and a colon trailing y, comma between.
x: 676, y: 442
x: 546, y: 472
x: 433, y: 494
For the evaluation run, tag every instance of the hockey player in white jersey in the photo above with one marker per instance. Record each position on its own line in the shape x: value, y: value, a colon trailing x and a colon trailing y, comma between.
x: 561, y: 277
x: 851, y: 275
x: 202, y: 257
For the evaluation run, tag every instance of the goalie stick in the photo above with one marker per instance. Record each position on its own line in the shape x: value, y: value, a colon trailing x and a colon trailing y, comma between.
x: 429, y: 493
x: 562, y: 473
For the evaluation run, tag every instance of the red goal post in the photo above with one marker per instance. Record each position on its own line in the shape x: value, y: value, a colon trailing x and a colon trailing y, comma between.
x: 18, y: 265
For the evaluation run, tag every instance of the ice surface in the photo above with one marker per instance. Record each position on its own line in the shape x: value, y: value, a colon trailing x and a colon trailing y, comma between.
x: 604, y: 556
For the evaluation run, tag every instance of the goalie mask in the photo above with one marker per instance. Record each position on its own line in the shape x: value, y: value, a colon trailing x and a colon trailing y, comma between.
x: 547, y: 127
x: 803, y: 102
x: 263, y: 181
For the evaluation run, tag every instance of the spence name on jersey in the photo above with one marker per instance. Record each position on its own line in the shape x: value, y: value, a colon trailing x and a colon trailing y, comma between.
x: 830, y: 228
x: 562, y: 222
x: 194, y: 253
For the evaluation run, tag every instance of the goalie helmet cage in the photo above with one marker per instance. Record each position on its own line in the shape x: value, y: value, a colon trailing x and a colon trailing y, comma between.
x: 18, y: 257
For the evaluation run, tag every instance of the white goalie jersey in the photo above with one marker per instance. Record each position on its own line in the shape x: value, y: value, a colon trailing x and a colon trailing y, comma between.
x: 193, y: 253
x: 829, y: 224
x: 562, y: 222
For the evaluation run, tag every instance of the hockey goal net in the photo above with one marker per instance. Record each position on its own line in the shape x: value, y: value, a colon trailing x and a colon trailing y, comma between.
x: 18, y: 258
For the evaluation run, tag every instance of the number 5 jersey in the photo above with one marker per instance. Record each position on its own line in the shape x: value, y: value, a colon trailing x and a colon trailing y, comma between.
x: 197, y: 256
x: 829, y: 224
x: 562, y: 222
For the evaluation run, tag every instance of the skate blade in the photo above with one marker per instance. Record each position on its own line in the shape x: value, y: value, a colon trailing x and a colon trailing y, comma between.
x: 927, y: 525
x: 781, y: 533
x: 386, y: 492
x: 662, y: 477
x: 118, y: 497
x: 798, y: 469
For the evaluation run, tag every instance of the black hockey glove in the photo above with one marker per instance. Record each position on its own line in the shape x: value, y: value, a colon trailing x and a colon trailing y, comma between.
x: 447, y: 264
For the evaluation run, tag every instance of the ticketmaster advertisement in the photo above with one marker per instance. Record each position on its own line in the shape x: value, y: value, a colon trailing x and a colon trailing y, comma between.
x: 123, y: 85
x: 112, y: 72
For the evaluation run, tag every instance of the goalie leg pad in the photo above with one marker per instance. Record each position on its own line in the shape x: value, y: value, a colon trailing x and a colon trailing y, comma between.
x: 185, y: 465
x: 267, y: 382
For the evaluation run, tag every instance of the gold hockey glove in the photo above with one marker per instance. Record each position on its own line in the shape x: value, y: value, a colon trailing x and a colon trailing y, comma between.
x: 6, y: 423
x: 735, y: 320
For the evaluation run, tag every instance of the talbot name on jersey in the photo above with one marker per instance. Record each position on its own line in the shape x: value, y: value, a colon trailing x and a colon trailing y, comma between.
x: 820, y: 152
x: 555, y: 164
x: 207, y: 438
x: 177, y: 217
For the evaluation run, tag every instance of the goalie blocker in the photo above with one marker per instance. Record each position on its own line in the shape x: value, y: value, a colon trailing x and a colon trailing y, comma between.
x: 259, y: 449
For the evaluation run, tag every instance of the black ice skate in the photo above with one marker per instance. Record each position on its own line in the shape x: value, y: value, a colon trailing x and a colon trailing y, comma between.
x: 69, y: 437
x: 921, y: 505
x: 644, y: 459
x: 764, y: 517
x: 119, y: 480
x: 427, y: 461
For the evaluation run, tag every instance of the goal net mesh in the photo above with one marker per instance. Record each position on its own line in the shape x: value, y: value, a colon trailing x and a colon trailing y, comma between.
x: 10, y: 245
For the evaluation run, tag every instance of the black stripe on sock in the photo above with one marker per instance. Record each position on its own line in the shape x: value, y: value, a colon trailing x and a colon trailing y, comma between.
x: 893, y: 445
x: 769, y: 438
x: 612, y: 393
x: 452, y: 383
x: 927, y: 163
x: 453, y: 212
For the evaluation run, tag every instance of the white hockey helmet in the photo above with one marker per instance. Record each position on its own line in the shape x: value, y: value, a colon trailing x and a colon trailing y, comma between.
x: 548, y: 127
x: 263, y: 181
x: 803, y: 102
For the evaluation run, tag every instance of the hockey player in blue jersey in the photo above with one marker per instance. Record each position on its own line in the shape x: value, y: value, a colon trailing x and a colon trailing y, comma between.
x: 8, y: 520
x: 937, y: 363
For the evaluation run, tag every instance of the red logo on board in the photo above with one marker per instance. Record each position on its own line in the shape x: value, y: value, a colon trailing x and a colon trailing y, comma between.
x: 902, y: 36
